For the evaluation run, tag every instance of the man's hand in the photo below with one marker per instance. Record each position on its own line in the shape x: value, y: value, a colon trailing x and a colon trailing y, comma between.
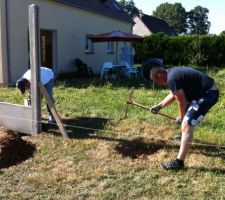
x: 178, y: 120
x: 155, y: 109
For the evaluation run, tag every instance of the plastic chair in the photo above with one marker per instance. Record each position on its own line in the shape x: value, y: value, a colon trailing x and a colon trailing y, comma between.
x: 130, y: 69
x: 107, y: 70
x: 129, y: 58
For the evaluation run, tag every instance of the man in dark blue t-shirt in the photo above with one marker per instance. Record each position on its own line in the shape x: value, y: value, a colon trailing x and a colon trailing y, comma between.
x: 195, y: 93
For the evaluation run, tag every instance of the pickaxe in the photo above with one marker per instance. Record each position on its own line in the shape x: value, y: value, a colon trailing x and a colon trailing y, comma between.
x: 130, y: 102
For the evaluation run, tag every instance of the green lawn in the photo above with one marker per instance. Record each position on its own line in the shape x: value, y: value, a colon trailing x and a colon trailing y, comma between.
x: 108, y: 157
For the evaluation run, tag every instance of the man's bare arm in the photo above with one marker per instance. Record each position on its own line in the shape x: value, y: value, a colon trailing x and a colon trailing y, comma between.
x: 182, y: 101
x: 168, y: 100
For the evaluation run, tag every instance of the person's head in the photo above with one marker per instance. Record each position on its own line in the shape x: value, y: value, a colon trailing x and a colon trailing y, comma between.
x: 146, y: 70
x: 23, y: 85
x: 158, y: 75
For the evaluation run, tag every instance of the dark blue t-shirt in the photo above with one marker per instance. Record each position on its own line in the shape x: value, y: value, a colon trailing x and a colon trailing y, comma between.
x: 193, y: 82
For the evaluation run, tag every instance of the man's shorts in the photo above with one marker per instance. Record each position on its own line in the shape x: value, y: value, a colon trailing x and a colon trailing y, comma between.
x: 198, y: 108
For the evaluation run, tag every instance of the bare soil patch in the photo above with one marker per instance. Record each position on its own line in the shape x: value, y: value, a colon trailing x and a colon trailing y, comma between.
x: 13, y: 149
x: 138, y: 148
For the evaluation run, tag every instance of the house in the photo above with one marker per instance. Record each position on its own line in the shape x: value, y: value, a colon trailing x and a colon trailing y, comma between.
x: 146, y: 25
x: 64, y: 29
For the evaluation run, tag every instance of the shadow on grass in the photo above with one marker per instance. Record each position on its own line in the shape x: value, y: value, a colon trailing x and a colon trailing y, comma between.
x: 83, y: 127
x: 204, y: 169
x: 209, y: 151
x: 78, y: 128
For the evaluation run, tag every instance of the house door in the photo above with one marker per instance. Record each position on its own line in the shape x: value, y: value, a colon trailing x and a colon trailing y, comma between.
x: 46, y: 48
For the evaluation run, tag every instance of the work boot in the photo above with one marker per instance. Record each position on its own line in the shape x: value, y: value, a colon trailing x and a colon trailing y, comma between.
x: 173, y: 165
x: 176, y: 137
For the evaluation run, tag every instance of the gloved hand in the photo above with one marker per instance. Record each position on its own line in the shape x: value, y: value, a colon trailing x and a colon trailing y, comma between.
x: 155, y: 109
x: 178, y: 120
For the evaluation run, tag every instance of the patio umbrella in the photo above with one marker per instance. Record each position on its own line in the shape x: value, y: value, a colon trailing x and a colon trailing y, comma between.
x: 117, y: 36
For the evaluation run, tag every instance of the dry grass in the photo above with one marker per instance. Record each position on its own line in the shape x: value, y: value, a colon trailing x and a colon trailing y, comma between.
x: 107, y: 167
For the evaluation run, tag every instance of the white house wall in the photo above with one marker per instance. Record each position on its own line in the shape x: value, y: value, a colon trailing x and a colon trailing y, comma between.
x: 139, y: 28
x: 70, y: 25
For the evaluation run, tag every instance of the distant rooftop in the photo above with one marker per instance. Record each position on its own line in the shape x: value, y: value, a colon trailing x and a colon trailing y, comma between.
x: 155, y: 24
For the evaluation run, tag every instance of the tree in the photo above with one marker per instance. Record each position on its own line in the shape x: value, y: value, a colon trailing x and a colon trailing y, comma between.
x: 198, y: 21
x: 222, y: 33
x: 174, y: 14
x: 130, y: 7
x: 122, y: 3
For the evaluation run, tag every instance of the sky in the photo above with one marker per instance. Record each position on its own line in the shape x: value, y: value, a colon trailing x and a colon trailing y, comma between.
x: 216, y: 9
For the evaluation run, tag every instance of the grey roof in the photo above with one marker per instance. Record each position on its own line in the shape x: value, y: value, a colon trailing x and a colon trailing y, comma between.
x: 110, y: 8
x: 155, y: 25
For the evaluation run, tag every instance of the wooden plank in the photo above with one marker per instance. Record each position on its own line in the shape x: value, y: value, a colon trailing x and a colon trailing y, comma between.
x: 53, y: 110
x: 16, y: 117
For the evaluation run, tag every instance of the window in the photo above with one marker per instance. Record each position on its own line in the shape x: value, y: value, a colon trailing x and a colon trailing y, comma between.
x: 110, y: 48
x: 89, y: 47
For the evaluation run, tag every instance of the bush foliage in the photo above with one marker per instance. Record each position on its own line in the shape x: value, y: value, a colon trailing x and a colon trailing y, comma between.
x: 196, y: 50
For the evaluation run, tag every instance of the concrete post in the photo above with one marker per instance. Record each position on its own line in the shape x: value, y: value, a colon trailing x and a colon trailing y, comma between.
x: 3, y: 44
x: 34, y: 33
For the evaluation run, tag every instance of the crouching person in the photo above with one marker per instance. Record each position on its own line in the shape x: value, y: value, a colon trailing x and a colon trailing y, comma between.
x: 46, y: 78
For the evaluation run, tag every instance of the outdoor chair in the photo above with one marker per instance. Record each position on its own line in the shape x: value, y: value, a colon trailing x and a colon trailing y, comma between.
x: 130, y: 70
x: 82, y: 69
x: 107, y: 70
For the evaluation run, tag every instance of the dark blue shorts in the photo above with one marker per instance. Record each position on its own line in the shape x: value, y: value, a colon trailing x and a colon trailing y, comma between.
x: 198, y: 108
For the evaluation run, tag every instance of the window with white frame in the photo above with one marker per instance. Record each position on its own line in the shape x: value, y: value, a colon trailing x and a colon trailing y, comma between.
x: 110, y: 48
x: 89, y: 47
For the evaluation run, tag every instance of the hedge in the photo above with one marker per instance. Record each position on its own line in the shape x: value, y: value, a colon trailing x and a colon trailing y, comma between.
x: 195, y: 50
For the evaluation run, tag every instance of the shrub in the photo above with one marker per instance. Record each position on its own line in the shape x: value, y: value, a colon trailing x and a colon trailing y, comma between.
x: 196, y: 50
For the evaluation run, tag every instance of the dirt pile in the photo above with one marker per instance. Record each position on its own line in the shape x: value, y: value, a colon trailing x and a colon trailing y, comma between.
x: 13, y: 149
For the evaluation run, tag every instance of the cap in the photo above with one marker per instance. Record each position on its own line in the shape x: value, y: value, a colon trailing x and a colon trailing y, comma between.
x: 147, y: 67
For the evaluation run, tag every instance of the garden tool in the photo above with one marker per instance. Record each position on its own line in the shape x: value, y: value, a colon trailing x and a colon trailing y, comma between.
x: 131, y: 102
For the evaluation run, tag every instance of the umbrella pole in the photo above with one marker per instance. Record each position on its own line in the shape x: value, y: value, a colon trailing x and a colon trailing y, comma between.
x: 116, y: 52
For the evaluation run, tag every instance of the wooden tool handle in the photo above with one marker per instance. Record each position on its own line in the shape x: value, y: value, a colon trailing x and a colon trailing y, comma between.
x: 147, y: 108
x: 53, y: 110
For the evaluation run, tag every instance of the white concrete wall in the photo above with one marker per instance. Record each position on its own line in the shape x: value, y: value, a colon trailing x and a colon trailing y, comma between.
x: 139, y: 28
x: 16, y: 118
x: 71, y: 26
